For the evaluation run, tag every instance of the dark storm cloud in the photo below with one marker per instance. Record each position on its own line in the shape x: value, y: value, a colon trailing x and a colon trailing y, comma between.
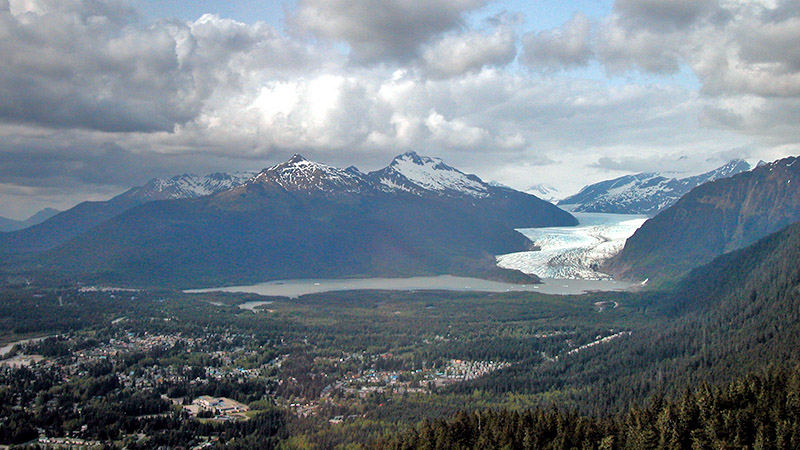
x: 381, y: 30
x: 54, y: 165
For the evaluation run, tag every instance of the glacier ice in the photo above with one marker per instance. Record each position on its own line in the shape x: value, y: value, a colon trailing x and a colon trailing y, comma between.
x: 574, y: 252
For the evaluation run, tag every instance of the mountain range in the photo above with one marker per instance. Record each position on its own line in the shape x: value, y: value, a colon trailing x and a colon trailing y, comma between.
x: 712, y: 219
x: 39, y: 217
x: 643, y: 193
x: 68, y: 224
x: 293, y: 220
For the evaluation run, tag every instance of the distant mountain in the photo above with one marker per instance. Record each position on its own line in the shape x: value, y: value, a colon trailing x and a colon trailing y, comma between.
x: 545, y: 192
x: 306, y: 219
x: 713, y: 219
x: 68, y: 224
x: 39, y: 217
x: 644, y: 193
x: 186, y: 186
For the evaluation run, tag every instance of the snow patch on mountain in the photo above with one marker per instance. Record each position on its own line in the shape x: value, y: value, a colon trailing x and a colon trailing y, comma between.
x: 299, y: 174
x: 188, y: 186
x: 414, y: 173
x: 544, y: 192
x: 574, y: 252
x: 644, y: 193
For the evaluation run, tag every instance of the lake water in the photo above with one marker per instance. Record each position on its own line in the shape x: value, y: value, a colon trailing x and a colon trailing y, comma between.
x: 296, y: 288
x: 6, y: 349
x: 253, y: 306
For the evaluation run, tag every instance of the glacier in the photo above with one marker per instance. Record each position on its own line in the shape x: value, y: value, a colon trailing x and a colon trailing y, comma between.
x: 574, y: 252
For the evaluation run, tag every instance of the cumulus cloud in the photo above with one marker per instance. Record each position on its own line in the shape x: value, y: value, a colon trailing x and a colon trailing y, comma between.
x: 733, y: 47
x: 90, y: 64
x: 95, y: 96
x: 561, y: 48
x: 751, y: 56
x: 381, y: 30
x: 457, y: 54
x: 743, y: 53
x: 622, y: 49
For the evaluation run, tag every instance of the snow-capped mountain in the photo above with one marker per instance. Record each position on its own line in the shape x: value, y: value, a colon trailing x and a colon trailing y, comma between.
x: 301, y: 175
x: 187, y: 186
x: 544, y: 192
x: 303, y: 219
x: 644, y: 193
x: 422, y: 175
x: 409, y: 176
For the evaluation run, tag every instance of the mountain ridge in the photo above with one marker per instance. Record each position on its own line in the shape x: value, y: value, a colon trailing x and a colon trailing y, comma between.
x: 712, y: 219
x: 40, y: 216
x: 644, y: 193
x: 68, y: 224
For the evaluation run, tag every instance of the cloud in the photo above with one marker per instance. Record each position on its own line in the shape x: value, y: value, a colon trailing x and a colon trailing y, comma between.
x: 81, y: 161
x: 97, y: 99
x: 654, y: 163
x: 73, y: 68
x: 734, y: 48
x: 664, y: 15
x: 381, y: 30
x: 622, y: 49
x: 751, y: 56
x: 744, y: 55
x: 562, y: 48
x: 90, y: 64
x: 457, y: 54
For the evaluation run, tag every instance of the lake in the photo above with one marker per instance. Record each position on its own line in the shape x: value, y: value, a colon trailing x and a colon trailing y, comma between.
x: 296, y: 288
x: 6, y: 349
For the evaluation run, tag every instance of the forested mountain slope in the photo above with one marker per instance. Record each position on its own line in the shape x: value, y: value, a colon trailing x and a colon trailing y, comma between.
x: 754, y: 412
x: 737, y: 314
x: 712, y: 219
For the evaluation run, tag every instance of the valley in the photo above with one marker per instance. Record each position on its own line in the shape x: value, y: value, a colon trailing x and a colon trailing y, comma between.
x: 335, y: 367
x: 393, y: 300
x: 399, y: 225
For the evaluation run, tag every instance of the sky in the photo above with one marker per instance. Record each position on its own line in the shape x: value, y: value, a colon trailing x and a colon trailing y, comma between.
x: 97, y: 96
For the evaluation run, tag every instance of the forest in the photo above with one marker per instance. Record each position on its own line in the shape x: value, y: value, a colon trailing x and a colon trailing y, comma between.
x: 708, y: 360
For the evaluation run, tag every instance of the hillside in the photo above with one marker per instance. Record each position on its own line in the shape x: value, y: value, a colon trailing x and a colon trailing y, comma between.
x: 752, y: 412
x: 712, y: 219
x: 37, y: 218
x: 62, y: 227
x: 718, y: 362
x: 734, y: 316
